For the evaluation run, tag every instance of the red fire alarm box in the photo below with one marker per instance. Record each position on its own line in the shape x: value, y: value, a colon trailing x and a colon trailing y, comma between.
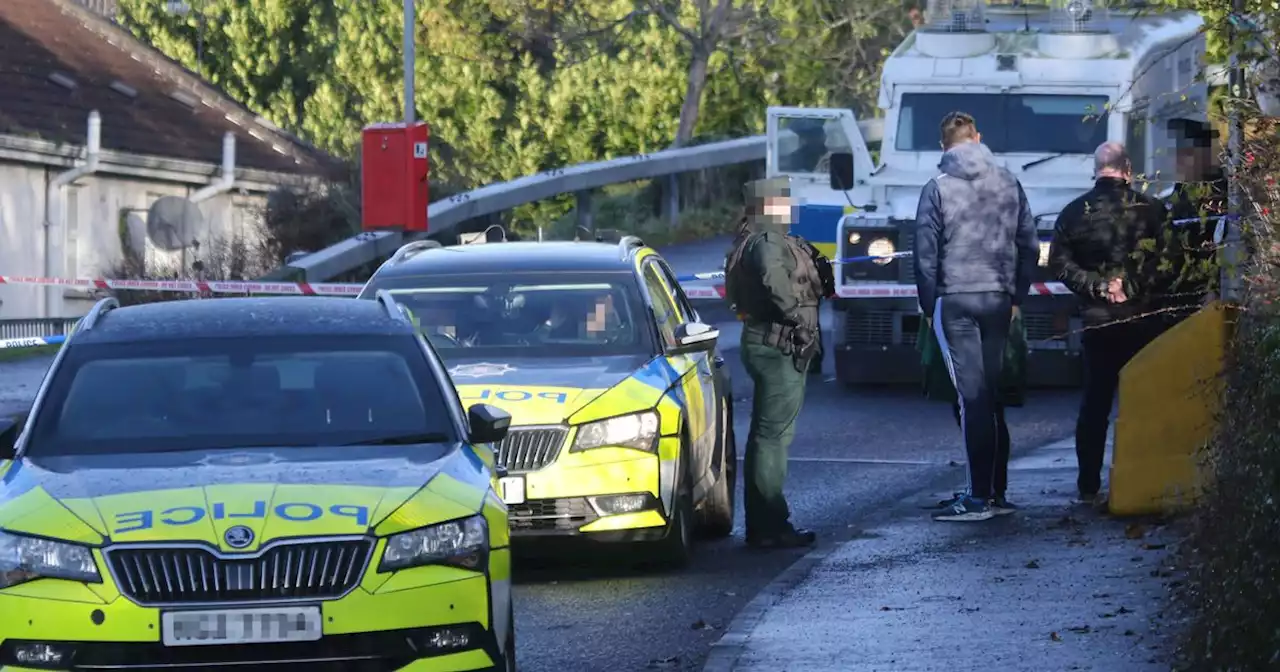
x: 394, y: 177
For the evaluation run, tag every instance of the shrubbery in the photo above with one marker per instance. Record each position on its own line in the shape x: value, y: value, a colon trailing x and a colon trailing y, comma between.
x: 1233, y: 553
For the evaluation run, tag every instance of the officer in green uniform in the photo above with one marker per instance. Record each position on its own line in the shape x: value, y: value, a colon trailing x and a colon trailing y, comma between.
x: 775, y: 286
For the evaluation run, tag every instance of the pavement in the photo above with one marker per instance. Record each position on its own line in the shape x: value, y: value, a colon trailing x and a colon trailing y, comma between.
x: 1056, y: 586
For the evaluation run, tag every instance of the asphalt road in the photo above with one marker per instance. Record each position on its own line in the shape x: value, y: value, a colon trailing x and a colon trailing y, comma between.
x: 854, y: 451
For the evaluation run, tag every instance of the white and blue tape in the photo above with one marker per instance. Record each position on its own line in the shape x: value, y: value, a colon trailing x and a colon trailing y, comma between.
x: 33, y: 342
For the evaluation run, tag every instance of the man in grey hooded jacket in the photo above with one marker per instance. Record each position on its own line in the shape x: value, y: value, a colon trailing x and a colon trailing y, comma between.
x: 975, y: 253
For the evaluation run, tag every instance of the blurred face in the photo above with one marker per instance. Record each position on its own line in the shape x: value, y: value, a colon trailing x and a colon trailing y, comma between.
x: 777, y: 207
x: 598, y: 318
x: 1193, y: 162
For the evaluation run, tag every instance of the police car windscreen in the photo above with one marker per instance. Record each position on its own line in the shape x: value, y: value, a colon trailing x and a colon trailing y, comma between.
x: 527, y: 314
x: 1009, y: 123
x: 217, y: 393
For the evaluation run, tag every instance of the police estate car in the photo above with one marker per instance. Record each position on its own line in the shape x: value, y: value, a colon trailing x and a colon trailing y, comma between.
x: 621, y: 410
x: 252, y: 483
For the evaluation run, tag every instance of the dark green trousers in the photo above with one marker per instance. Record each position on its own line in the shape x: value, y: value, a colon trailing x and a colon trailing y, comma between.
x: 778, y: 395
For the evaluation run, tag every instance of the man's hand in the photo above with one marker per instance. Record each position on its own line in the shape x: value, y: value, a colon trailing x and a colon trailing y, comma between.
x: 928, y: 322
x: 1015, y: 313
x: 1115, y: 291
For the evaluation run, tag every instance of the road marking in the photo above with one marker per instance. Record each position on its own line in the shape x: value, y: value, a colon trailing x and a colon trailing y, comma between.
x: 864, y: 460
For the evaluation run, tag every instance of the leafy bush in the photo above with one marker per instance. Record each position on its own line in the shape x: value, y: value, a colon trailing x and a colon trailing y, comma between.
x: 1233, y: 552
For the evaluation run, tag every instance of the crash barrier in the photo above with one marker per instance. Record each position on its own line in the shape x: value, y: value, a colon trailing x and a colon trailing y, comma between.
x: 35, y: 327
x: 33, y: 342
x: 1170, y: 396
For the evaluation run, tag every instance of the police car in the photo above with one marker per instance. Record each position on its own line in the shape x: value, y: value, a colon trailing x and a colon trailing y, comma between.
x: 621, y: 411
x: 252, y: 483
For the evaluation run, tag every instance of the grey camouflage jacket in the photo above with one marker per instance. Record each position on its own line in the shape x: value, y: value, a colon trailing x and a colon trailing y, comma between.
x: 974, y: 230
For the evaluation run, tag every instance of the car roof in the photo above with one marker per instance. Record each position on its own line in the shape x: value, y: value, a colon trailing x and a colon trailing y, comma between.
x: 561, y: 256
x: 239, y: 317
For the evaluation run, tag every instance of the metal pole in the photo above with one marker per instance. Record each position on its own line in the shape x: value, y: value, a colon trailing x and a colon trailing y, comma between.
x: 408, y: 62
x: 1232, y: 254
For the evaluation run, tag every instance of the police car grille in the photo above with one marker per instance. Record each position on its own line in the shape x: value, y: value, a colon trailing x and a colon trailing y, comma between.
x: 195, y: 575
x: 530, y: 449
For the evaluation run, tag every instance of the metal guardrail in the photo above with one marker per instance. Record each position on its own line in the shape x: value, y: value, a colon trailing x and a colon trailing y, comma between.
x: 446, y: 214
x: 449, y: 212
x: 38, y: 327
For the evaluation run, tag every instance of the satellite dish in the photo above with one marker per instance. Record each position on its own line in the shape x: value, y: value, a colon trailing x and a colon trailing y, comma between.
x: 173, y: 223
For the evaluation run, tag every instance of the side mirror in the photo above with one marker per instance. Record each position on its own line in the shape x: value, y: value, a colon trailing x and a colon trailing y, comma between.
x: 841, y: 171
x: 489, y: 424
x: 9, y: 430
x: 693, y: 336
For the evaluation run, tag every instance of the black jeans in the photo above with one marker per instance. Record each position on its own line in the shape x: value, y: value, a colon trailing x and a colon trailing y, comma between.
x: 972, y: 330
x: 1106, y: 350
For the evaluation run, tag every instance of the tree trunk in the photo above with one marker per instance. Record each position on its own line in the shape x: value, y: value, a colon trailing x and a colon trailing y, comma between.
x: 688, y: 122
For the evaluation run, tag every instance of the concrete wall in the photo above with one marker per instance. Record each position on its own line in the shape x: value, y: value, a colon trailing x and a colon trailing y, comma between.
x: 87, y: 241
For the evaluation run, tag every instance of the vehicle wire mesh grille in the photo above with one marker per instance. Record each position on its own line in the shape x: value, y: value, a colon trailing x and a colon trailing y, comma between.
x: 869, y: 327
x: 530, y: 449
x: 181, y: 575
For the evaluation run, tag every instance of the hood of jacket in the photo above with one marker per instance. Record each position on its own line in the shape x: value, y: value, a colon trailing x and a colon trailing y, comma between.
x: 967, y: 161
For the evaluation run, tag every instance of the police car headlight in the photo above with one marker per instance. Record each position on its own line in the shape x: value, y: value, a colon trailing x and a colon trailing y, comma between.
x: 27, y: 558
x: 462, y: 543
x: 638, y: 430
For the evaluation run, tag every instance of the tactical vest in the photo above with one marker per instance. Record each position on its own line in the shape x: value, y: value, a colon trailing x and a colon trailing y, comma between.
x: 746, y: 293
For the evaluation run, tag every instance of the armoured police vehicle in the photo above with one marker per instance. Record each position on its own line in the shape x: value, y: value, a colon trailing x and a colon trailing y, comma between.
x: 1047, y: 84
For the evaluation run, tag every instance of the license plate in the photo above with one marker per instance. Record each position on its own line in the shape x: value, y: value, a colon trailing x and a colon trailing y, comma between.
x: 241, y: 626
x: 511, y: 489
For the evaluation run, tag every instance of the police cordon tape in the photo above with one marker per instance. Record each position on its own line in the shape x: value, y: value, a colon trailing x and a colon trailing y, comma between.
x: 33, y: 342
x: 695, y: 287
x: 193, y: 286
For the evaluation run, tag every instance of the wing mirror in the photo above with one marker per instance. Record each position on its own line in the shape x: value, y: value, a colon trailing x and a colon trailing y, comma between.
x: 489, y: 424
x: 9, y: 430
x: 694, y: 336
x: 841, y: 171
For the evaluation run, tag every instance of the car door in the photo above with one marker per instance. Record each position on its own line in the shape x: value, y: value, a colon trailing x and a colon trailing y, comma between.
x: 704, y: 364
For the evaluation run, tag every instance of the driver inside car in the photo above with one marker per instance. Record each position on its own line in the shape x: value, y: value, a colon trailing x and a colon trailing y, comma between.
x: 591, y: 319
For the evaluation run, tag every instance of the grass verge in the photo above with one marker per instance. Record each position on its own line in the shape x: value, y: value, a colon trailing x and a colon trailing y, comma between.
x: 18, y: 354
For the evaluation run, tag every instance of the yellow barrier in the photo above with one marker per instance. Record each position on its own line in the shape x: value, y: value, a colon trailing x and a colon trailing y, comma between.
x: 1170, y: 395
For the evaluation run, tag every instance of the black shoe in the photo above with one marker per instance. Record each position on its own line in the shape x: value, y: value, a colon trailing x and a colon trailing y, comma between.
x: 1002, y: 506
x: 788, y: 539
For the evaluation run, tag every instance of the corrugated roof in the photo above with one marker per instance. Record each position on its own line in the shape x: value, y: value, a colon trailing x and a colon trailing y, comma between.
x: 59, y: 61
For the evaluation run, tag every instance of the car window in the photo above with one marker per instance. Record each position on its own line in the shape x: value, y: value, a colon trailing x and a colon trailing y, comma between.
x: 212, y: 393
x: 664, y: 311
x: 682, y: 302
x: 526, y: 314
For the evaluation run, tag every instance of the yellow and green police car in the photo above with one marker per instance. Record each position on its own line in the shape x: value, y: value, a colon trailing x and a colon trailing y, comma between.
x: 282, y: 483
x: 621, y: 410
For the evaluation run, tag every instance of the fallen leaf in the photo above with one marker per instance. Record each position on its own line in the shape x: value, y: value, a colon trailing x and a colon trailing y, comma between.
x: 887, y: 609
x: 1033, y: 565
x: 1055, y: 637
x: 702, y: 625
x: 1129, y: 633
x: 664, y: 663
x: 1124, y: 610
x: 1081, y: 629
x: 1152, y: 547
x: 1135, y: 531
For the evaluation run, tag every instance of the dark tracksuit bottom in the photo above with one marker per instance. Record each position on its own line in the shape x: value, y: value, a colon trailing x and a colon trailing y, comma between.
x: 972, y: 330
x: 1106, y: 350
x: 1000, y: 483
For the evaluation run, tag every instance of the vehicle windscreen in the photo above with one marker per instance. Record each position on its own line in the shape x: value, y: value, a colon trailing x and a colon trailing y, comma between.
x: 220, y: 393
x: 1009, y: 123
x: 526, y: 314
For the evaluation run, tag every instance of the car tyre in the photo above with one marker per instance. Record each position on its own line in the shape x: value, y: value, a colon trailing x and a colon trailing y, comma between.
x: 716, y: 519
x: 509, y: 658
x: 676, y: 549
